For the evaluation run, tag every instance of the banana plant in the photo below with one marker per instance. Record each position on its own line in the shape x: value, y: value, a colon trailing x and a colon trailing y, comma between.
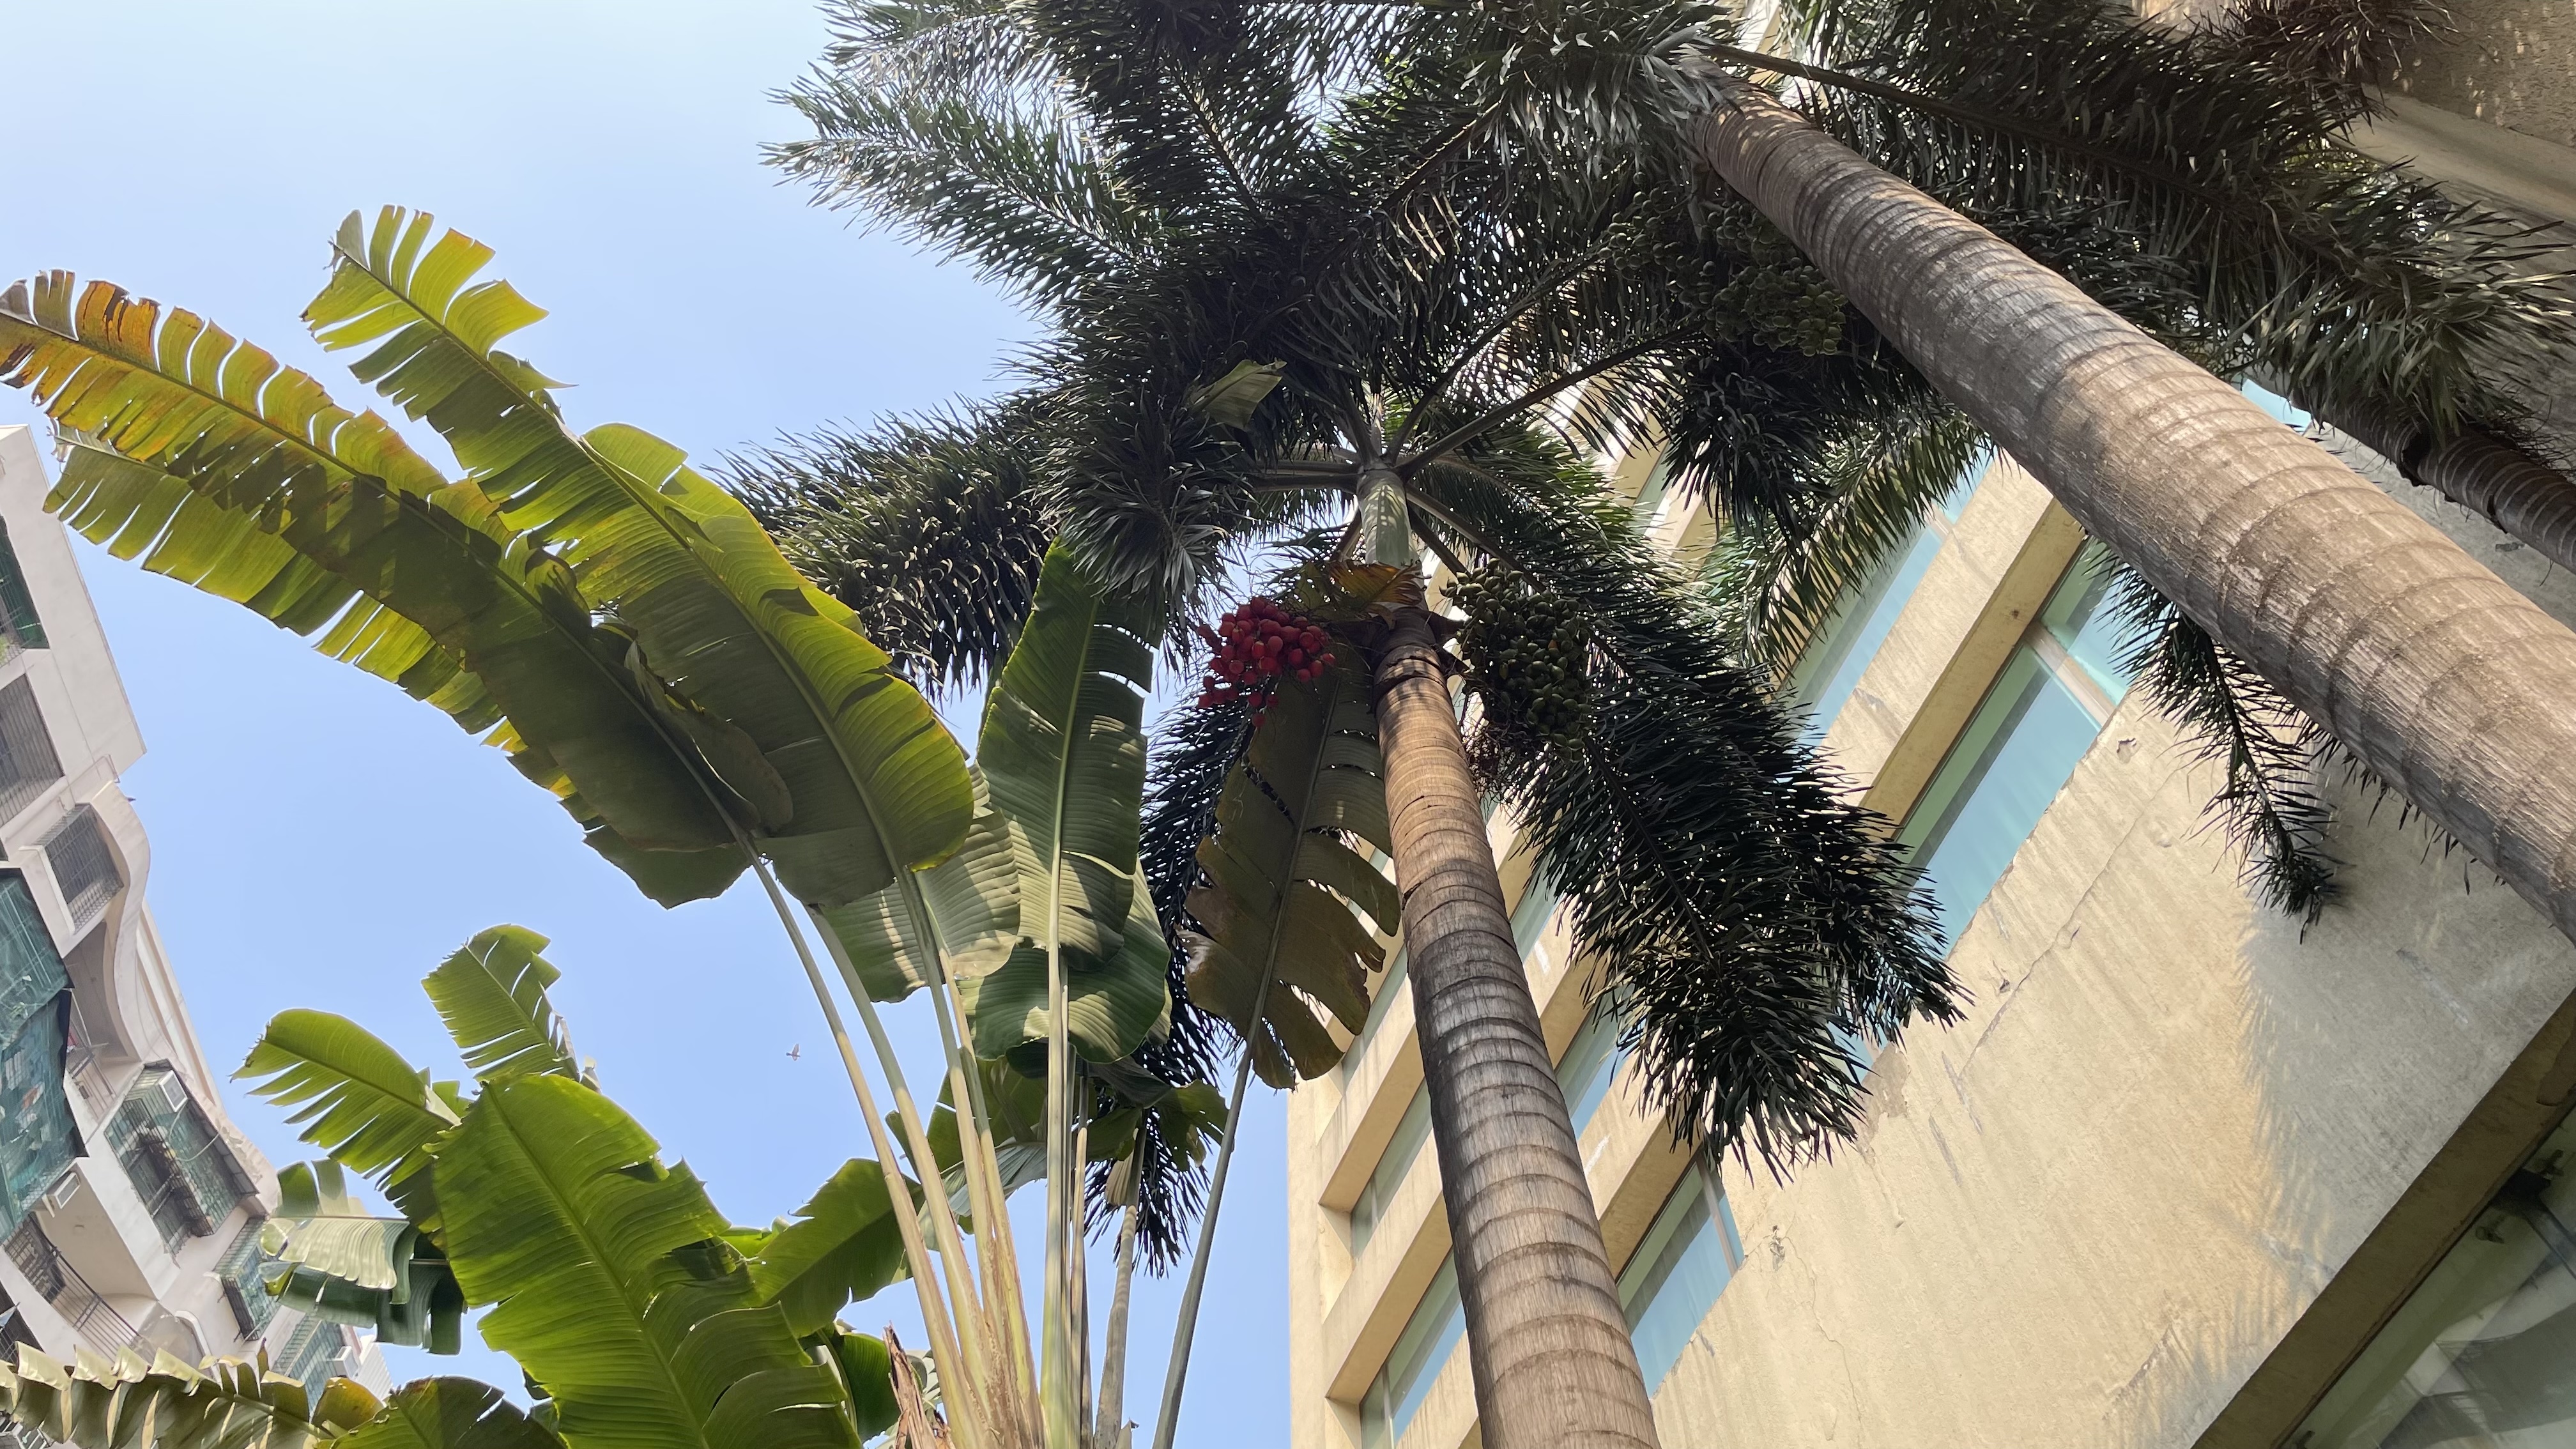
x: 638, y: 646
x: 165, y: 1404
x: 642, y: 1316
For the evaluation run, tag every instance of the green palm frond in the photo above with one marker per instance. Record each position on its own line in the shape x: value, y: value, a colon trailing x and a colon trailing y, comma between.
x: 561, y: 1219
x: 849, y: 771
x: 2269, y: 803
x: 932, y: 529
x: 1753, y: 923
x: 492, y: 995
x: 192, y: 442
x: 1277, y: 937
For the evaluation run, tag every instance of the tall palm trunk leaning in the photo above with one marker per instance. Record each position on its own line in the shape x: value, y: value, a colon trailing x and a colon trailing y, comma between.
x: 2440, y: 677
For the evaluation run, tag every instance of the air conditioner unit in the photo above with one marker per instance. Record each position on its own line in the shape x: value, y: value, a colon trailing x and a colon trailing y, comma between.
x: 173, y: 1093
x: 60, y: 1195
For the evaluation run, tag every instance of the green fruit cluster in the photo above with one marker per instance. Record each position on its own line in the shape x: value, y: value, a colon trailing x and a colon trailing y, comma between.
x: 1526, y: 651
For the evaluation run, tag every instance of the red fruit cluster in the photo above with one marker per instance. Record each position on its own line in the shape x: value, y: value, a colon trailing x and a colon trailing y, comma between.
x: 1257, y: 646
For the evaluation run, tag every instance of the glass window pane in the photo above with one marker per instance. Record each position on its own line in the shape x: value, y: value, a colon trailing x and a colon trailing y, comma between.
x: 1420, y: 1352
x: 2093, y: 634
x: 1530, y: 913
x: 2023, y: 743
x: 1674, y: 1276
x: 1411, y: 1131
x: 1389, y: 987
x: 1833, y: 663
x: 1591, y: 1064
x: 2484, y: 1353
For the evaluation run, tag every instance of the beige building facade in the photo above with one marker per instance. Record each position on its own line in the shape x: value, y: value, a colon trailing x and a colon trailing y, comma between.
x: 130, y: 1206
x: 2187, y: 1174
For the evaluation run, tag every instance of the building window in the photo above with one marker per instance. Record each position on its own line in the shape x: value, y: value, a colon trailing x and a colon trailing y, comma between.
x: 244, y: 1292
x: 1393, y: 1166
x: 312, y: 1353
x: 37, y: 1138
x: 184, y: 1174
x: 1389, y: 987
x: 1591, y: 1062
x: 84, y: 868
x: 27, y: 760
x: 1439, y: 1321
x: 18, y: 621
x: 1831, y: 666
x: 2484, y: 1352
x: 1531, y: 912
x: 1683, y: 1263
x: 2053, y: 697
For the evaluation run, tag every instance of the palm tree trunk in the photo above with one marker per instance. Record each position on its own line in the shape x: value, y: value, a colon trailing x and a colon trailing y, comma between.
x: 1112, y: 1430
x: 2481, y: 472
x: 1546, y: 1342
x: 2439, y: 676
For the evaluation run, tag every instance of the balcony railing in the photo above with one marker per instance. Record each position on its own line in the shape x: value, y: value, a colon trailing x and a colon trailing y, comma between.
x: 92, y: 1317
x: 84, y: 867
x: 251, y: 1302
x: 186, y: 1177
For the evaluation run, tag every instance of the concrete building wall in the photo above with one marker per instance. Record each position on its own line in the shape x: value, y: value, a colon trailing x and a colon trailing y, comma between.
x: 110, y: 1273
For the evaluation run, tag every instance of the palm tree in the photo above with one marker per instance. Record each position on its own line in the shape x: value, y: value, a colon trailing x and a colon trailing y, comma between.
x: 1290, y: 273
x: 2438, y: 676
x: 2198, y: 182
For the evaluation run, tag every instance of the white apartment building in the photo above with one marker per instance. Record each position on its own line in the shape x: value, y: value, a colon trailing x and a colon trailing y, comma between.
x: 2187, y: 1176
x: 130, y: 1205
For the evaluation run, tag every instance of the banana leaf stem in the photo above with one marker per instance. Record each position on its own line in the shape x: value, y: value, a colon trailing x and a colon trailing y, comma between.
x: 967, y: 1427
x: 1167, y: 1420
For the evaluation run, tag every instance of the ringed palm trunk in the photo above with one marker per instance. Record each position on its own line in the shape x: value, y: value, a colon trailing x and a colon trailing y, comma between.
x: 2442, y: 678
x: 1548, y: 1346
x: 2481, y: 472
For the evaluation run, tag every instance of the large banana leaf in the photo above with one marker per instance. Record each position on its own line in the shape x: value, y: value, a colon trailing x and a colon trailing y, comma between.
x: 965, y: 911
x: 355, y: 1097
x: 337, y: 1261
x: 492, y: 995
x: 844, y: 1245
x: 1063, y: 754
x: 1282, y: 882
x: 559, y: 1216
x: 449, y: 1413
x: 852, y: 776
x: 219, y: 442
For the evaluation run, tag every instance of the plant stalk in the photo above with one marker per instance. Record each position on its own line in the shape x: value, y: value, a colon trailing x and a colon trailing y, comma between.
x: 969, y: 1425
x: 1112, y: 1420
x: 1167, y: 1420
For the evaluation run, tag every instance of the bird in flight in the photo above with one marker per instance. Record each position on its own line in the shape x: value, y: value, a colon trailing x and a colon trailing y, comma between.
x: 796, y: 1053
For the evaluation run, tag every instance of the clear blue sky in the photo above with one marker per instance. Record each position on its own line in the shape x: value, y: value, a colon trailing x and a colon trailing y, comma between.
x: 318, y: 839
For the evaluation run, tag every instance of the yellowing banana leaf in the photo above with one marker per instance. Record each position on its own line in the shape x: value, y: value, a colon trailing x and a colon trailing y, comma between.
x: 492, y: 995
x: 220, y: 443
x: 1282, y: 883
x: 844, y: 1245
x: 560, y: 1217
x: 872, y: 784
x: 129, y: 1403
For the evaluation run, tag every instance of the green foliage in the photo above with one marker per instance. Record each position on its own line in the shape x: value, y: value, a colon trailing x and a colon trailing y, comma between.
x: 842, y: 764
x: 492, y: 996
x: 644, y: 1317
x: 1278, y: 915
x: 1063, y: 754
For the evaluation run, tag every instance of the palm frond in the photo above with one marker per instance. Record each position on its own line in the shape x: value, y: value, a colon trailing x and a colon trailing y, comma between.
x: 932, y: 529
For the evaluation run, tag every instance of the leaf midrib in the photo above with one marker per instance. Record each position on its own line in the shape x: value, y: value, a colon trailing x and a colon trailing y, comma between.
x: 652, y: 507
